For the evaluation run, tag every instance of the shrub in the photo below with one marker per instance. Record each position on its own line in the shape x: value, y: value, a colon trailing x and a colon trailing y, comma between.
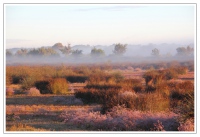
x: 78, y: 79
x: 170, y: 74
x: 163, y: 89
x: 121, y: 119
x: 188, y: 125
x: 150, y: 76
x: 118, y: 76
x: 154, y: 102
x: 182, y: 99
x: 27, y: 82
x: 43, y: 86
x: 185, y: 107
x: 58, y: 86
x: 181, y: 90
x: 138, y: 88
x: 150, y: 89
x: 129, y: 84
x: 88, y: 95
x: 181, y: 70
x: 33, y: 92
x: 16, y: 79
x: 127, y: 99
x: 9, y: 91
x: 98, y: 77
x: 8, y: 80
x: 109, y: 99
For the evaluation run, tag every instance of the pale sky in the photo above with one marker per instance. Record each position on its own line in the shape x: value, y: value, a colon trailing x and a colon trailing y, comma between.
x: 36, y: 25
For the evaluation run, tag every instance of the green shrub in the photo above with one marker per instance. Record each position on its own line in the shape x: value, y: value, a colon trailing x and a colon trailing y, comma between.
x: 154, y: 102
x: 58, y: 86
x: 27, y: 82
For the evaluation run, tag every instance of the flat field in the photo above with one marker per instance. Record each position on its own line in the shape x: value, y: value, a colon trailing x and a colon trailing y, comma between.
x: 99, y: 100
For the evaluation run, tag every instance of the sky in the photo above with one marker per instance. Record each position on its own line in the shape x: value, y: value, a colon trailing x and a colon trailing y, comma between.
x: 36, y: 25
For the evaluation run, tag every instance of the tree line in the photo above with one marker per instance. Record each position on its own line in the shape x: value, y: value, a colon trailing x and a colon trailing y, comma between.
x: 58, y: 48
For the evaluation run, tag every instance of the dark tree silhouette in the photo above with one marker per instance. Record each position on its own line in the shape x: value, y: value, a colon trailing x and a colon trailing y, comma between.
x: 120, y: 49
x: 58, y: 46
x: 77, y: 53
x: 43, y: 52
x: 8, y: 53
x: 66, y: 50
x: 155, y: 52
x: 182, y: 51
x: 97, y: 52
x: 21, y: 52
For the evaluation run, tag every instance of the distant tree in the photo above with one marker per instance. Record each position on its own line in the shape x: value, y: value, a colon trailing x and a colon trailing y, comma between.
x: 58, y: 46
x: 120, y: 49
x: 66, y: 50
x: 21, y: 52
x: 43, y: 52
x: 97, y: 52
x: 155, y: 52
x: 182, y: 51
x: 77, y: 53
x: 8, y: 53
x: 34, y: 52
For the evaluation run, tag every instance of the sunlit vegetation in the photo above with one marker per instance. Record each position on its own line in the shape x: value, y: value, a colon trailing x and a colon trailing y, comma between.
x: 100, y: 97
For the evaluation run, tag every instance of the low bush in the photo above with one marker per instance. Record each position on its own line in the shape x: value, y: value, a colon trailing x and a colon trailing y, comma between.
x: 121, y: 119
x: 182, y: 99
x: 181, y: 90
x: 33, y: 92
x: 131, y: 84
x: 170, y: 74
x: 188, y: 125
x: 154, y: 102
x: 58, y: 86
x: 16, y: 79
x: 139, y: 88
x: 181, y: 70
x: 77, y: 79
x: 88, y: 95
x: 9, y: 91
x: 43, y: 87
x: 127, y: 99
x: 27, y: 82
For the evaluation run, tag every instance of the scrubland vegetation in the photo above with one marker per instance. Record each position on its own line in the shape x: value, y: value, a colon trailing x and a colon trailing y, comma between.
x: 100, y: 97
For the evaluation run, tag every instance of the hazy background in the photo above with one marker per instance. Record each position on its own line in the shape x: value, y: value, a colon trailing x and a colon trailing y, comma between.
x: 33, y: 25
